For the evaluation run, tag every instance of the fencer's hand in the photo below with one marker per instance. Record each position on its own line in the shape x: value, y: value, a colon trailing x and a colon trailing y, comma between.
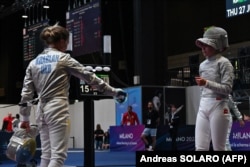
x: 200, y: 81
x: 242, y: 123
x: 25, y: 125
x: 120, y: 92
x: 121, y: 95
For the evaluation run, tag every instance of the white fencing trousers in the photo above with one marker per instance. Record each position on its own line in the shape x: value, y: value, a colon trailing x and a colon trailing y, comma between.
x: 212, y: 123
x: 53, y: 119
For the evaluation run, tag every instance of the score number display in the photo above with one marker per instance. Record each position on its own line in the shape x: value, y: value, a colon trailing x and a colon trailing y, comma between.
x: 237, y: 7
x: 85, y: 90
x: 84, y: 24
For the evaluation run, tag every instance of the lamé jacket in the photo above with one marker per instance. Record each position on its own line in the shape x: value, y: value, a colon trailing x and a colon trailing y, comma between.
x: 49, y: 76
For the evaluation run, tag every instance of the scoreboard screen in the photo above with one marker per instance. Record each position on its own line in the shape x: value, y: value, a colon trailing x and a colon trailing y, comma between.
x: 84, y: 25
x: 32, y: 45
x: 237, y: 7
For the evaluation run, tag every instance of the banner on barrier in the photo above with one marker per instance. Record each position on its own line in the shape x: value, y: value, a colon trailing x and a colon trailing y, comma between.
x: 240, y: 137
x: 126, y: 138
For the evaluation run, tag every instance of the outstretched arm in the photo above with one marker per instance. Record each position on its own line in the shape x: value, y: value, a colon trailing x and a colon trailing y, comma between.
x: 179, y: 109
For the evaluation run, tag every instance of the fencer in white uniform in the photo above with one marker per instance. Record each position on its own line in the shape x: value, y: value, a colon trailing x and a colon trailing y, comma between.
x: 216, y: 81
x: 48, y: 75
x: 235, y: 113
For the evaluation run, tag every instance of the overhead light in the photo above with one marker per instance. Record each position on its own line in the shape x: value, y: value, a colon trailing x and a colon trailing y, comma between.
x: 46, y: 7
x: 24, y: 16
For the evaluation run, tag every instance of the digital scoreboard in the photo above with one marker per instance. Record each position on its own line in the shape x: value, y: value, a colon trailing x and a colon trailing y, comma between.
x: 237, y: 7
x: 84, y: 25
x: 84, y: 90
x: 32, y: 45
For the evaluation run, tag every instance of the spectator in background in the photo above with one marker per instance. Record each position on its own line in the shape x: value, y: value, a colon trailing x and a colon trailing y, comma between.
x: 174, y: 121
x: 15, y: 122
x: 130, y: 117
x: 99, y: 133
x: 157, y: 100
x: 106, y: 143
x: 152, y: 120
x: 7, y: 123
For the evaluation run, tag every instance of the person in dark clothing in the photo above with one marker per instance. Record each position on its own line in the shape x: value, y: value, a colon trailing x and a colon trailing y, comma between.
x: 152, y: 120
x: 106, y: 143
x: 99, y: 133
x: 174, y: 121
